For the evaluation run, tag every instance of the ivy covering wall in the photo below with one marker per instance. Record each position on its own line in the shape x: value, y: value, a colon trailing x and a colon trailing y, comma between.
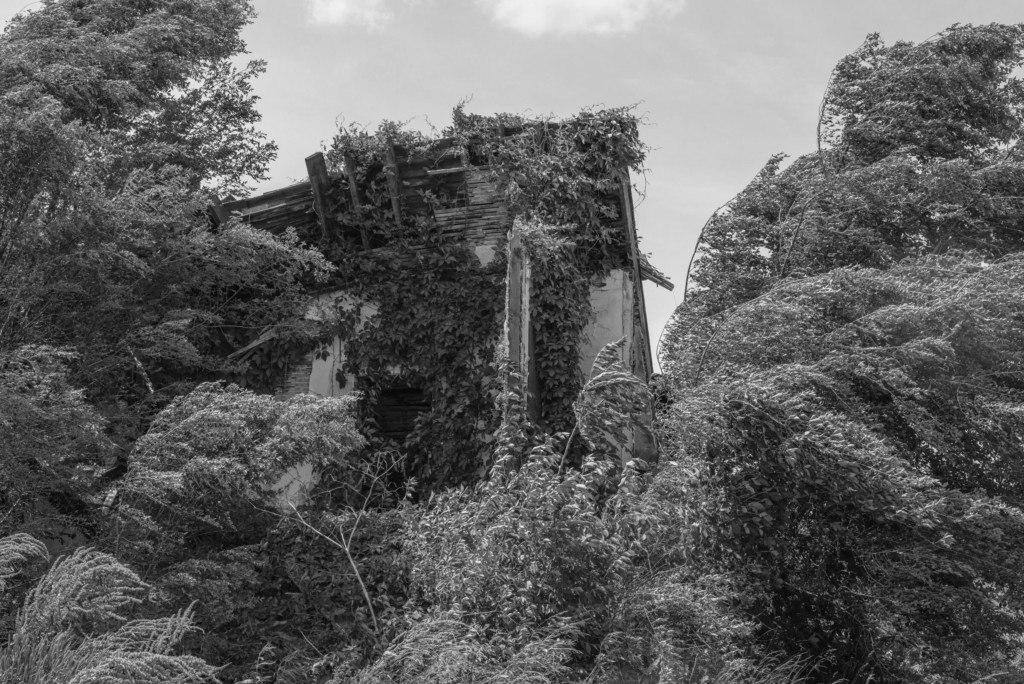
x: 441, y: 310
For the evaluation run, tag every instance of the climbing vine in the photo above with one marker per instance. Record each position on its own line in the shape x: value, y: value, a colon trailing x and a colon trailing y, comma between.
x: 560, y: 311
x: 566, y: 176
x: 436, y: 329
x: 440, y: 310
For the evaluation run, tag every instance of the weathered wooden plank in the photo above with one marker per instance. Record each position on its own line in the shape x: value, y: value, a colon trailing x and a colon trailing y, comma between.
x: 514, y: 302
x: 482, y: 222
x: 297, y: 210
x: 467, y: 212
x: 277, y: 204
x: 517, y: 319
x: 471, y: 223
x: 424, y: 181
x: 306, y: 208
x: 471, y: 226
x: 446, y: 171
x: 350, y: 175
x: 320, y: 186
x: 353, y: 191
x: 645, y: 363
x: 479, y: 207
x: 262, y: 206
x: 278, y: 225
x: 301, y: 201
x: 414, y: 175
x: 282, y: 194
x: 296, y: 382
x: 649, y: 272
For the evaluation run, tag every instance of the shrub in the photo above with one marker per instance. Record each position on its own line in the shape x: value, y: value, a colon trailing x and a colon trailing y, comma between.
x: 74, y: 626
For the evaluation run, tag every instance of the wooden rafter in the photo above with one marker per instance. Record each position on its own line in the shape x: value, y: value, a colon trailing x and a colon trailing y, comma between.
x: 320, y: 183
x: 353, y: 191
x: 634, y: 257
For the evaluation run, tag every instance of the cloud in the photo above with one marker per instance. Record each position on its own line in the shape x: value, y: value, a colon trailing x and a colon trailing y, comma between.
x: 564, y: 17
x: 371, y: 14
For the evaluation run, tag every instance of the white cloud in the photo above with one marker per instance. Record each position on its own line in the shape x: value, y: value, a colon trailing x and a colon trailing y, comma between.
x: 539, y: 17
x: 368, y: 13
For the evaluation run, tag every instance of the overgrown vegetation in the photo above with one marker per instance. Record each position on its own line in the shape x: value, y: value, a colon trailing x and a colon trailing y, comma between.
x: 74, y: 625
x: 440, y: 311
x: 839, y: 492
x: 847, y: 373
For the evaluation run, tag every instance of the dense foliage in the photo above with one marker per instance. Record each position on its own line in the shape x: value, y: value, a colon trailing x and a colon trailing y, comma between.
x: 918, y: 156
x: 115, y: 292
x: 868, y: 466
x: 113, y: 117
x: 846, y: 374
x: 839, y: 494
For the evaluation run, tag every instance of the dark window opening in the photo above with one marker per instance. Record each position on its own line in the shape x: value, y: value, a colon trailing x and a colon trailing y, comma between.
x: 397, y: 409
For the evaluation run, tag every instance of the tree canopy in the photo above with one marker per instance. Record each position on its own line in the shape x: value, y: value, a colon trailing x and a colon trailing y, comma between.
x: 116, y: 291
x: 113, y: 117
x: 918, y: 155
x: 846, y: 371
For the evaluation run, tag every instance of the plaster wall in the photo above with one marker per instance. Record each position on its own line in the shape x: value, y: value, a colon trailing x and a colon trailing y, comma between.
x: 612, y: 304
x: 326, y: 377
x: 321, y: 375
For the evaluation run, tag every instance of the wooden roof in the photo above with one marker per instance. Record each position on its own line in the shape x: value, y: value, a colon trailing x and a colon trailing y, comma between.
x: 478, y: 213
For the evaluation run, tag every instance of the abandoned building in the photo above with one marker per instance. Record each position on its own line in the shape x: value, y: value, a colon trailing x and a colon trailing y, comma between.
x: 452, y: 187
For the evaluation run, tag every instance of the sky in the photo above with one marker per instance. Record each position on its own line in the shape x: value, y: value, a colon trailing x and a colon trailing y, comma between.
x: 721, y: 84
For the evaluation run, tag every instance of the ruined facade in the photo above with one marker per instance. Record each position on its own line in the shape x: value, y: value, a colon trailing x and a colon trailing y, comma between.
x: 475, y: 214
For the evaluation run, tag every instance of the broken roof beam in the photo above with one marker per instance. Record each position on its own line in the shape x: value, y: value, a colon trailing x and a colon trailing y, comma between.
x: 649, y: 272
x: 443, y: 172
x: 274, y: 197
x: 320, y: 183
x: 353, y: 191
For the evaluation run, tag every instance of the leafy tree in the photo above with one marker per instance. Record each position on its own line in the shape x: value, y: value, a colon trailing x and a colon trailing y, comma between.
x: 50, y: 432
x: 860, y: 431
x: 211, y: 456
x: 950, y: 97
x: 200, y: 509
x: 919, y: 154
x: 846, y: 373
x: 117, y: 118
x: 113, y: 116
x: 153, y: 79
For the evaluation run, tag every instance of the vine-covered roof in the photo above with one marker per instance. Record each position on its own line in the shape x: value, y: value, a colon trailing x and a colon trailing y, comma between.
x: 475, y: 208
